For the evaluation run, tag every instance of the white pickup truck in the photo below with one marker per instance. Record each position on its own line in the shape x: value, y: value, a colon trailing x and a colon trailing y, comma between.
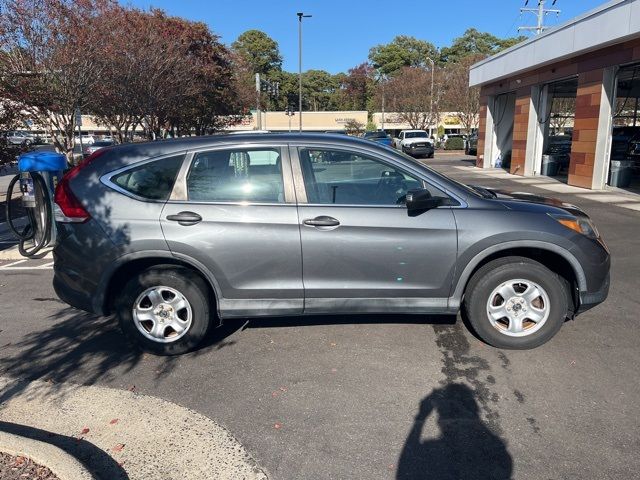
x: 415, y: 143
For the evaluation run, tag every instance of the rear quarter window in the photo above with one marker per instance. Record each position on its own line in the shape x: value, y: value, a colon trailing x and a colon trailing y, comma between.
x: 153, y: 180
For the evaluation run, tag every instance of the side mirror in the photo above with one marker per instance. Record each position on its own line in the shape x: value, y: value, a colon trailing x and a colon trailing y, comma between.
x: 421, y: 200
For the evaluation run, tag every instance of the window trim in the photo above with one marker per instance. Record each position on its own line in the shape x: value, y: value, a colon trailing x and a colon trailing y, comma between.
x: 107, y: 178
x: 181, y: 195
x: 301, y: 187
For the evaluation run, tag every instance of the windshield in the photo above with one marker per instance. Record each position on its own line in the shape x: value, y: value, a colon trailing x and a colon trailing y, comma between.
x: 375, y: 135
x: 415, y: 135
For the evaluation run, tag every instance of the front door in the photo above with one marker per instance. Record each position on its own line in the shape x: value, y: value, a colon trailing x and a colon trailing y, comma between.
x: 361, y: 251
x: 237, y: 217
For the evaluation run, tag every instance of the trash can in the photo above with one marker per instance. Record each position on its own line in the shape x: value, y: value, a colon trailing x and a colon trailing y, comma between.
x: 620, y: 173
x: 550, y: 166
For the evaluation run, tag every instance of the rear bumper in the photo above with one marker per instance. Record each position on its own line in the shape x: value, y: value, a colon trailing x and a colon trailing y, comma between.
x: 67, y: 286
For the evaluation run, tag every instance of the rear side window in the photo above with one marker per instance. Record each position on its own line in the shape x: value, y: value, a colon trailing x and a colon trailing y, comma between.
x: 153, y: 180
x: 239, y: 175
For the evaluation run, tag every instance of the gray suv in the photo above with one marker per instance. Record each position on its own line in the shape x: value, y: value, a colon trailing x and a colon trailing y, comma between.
x: 176, y: 236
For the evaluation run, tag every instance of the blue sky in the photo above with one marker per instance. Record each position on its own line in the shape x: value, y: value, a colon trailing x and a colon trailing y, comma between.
x: 340, y: 33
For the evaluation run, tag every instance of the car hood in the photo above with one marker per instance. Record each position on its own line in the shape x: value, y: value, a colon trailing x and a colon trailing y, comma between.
x: 521, y: 200
x: 408, y: 141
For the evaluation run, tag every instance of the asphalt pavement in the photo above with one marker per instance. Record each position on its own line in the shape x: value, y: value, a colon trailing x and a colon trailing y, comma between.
x: 382, y: 397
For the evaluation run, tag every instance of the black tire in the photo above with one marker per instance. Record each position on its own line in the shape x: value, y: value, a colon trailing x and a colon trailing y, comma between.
x: 492, y: 275
x: 183, y: 280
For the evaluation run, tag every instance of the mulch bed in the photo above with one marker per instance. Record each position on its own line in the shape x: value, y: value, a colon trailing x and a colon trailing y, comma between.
x: 23, y: 468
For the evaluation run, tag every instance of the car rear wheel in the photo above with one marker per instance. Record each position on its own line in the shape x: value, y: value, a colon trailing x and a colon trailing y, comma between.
x: 165, y: 311
x: 516, y: 303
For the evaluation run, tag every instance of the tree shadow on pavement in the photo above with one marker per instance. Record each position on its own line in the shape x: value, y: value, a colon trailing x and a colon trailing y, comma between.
x: 463, y: 448
x: 95, y: 460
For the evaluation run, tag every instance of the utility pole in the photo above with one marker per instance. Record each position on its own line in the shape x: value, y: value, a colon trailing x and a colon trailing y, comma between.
x: 540, y: 12
x: 300, y: 17
x: 433, y: 68
x: 258, y: 119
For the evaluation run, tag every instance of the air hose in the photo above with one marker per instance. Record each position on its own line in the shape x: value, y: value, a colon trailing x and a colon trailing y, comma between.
x: 38, y: 228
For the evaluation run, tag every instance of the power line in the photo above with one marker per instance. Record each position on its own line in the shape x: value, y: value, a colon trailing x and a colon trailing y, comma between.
x: 540, y: 12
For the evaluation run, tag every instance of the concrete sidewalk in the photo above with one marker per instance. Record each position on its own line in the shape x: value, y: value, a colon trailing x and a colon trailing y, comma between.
x: 118, y: 434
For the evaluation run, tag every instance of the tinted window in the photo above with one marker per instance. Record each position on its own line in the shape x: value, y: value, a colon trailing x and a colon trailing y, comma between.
x: 416, y: 134
x: 338, y: 177
x: 153, y: 180
x: 375, y: 135
x: 242, y: 175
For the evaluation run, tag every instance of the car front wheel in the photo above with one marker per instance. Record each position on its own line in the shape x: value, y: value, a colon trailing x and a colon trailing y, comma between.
x: 165, y: 311
x: 516, y: 303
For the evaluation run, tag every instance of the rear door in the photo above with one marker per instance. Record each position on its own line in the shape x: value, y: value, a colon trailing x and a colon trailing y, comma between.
x: 233, y: 211
x: 361, y: 250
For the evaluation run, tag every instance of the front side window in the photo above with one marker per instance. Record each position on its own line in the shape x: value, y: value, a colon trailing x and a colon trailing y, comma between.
x: 236, y: 175
x: 152, y: 180
x: 346, y: 178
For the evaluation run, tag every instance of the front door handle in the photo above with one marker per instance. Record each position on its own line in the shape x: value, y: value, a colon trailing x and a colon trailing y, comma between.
x: 185, y: 218
x: 322, y: 221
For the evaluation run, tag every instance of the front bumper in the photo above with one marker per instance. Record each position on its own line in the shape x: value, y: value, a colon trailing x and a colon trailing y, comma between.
x: 428, y: 150
x: 589, y: 300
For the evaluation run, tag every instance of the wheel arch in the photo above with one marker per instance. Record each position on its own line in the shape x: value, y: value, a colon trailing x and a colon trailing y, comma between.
x: 554, y: 257
x: 133, y: 264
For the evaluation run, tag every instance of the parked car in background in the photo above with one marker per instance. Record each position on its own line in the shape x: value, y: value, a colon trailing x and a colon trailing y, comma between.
x: 415, y: 143
x: 625, y: 143
x: 177, y: 236
x: 379, y: 136
x: 559, y: 147
x: 86, y: 139
x: 94, y: 147
x: 471, y: 145
x: 17, y: 137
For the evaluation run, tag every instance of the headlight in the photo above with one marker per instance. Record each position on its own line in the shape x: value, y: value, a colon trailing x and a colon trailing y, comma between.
x: 582, y: 225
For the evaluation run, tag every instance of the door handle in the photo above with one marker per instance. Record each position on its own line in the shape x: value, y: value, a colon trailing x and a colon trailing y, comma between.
x: 185, y: 218
x: 322, y: 221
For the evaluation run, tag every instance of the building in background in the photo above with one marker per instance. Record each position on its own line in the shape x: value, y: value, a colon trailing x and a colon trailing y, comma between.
x: 566, y: 102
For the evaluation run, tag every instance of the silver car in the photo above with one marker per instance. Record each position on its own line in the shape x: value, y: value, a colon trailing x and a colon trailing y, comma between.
x: 177, y: 236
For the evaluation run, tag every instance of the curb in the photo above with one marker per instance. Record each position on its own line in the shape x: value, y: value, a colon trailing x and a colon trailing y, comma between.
x: 55, y: 459
x: 120, y: 434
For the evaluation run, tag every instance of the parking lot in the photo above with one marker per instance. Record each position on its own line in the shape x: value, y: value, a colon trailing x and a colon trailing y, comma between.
x: 379, y: 396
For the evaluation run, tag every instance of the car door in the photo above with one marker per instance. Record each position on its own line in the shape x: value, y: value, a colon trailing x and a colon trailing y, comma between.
x: 361, y: 251
x: 233, y: 211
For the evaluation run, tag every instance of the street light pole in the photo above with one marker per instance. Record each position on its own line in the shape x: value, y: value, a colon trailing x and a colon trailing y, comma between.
x: 300, y: 17
x: 433, y: 68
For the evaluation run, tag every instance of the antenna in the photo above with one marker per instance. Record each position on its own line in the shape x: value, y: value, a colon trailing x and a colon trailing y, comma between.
x: 540, y: 12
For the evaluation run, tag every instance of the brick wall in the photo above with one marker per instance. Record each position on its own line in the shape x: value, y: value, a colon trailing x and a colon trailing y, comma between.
x: 520, y: 127
x: 585, y: 128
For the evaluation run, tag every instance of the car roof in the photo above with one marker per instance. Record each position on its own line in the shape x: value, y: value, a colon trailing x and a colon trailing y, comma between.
x: 120, y: 155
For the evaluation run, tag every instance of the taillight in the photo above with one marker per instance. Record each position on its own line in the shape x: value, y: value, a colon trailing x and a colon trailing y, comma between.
x: 70, y: 210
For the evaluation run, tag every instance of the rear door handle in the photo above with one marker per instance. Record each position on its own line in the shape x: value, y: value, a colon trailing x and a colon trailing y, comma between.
x: 322, y: 221
x: 185, y: 218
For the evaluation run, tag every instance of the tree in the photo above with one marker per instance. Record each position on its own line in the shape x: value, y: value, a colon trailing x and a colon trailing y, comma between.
x: 403, y: 51
x: 10, y: 119
x: 408, y: 94
x: 48, y: 60
x: 357, y: 87
x: 259, y: 50
x: 319, y: 90
x: 458, y: 96
x: 353, y: 127
x: 473, y: 42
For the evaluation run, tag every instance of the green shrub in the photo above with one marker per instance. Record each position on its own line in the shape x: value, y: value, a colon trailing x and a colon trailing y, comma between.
x: 455, y: 143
